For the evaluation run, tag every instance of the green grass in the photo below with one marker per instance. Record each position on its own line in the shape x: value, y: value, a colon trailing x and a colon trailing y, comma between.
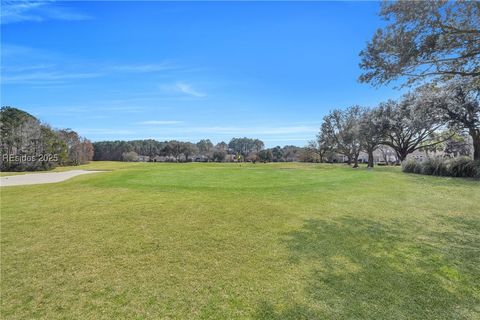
x: 224, y: 241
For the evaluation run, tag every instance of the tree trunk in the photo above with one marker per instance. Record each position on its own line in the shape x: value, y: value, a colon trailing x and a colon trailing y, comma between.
x: 386, y: 159
x: 476, y: 143
x: 402, y: 155
x: 476, y: 149
x: 370, y: 158
x: 355, y: 162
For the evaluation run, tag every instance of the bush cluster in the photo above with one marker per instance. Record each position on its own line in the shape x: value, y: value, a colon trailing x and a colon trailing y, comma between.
x: 457, y: 167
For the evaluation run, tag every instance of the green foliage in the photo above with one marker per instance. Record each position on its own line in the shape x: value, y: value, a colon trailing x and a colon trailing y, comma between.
x: 205, y: 147
x: 113, y: 150
x: 247, y: 149
x: 35, y: 146
x: 423, y: 40
x: 340, y: 131
x: 265, y: 155
x: 245, y: 146
x: 219, y: 156
x: 277, y: 154
x: 26, y: 139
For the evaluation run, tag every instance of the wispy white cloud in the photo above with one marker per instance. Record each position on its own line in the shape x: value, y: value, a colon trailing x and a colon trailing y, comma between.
x: 103, y: 131
x: 159, y: 122
x: 187, y: 89
x: 94, y: 107
x: 34, y: 66
x: 281, y: 139
x: 144, y: 68
x: 37, y: 66
x: 37, y: 11
x: 156, y: 128
x: 14, y: 56
x: 46, y: 77
x: 271, y: 132
x: 12, y: 50
x: 262, y: 130
x: 17, y: 11
x: 63, y: 13
x: 25, y: 68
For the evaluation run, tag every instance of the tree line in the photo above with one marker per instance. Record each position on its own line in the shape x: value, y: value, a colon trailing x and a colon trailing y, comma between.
x: 238, y: 149
x: 176, y: 150
x: 427, y: 117
x: 28, y: 145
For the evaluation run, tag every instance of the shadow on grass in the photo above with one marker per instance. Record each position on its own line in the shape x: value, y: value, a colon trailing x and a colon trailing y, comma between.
x: 360, y: 268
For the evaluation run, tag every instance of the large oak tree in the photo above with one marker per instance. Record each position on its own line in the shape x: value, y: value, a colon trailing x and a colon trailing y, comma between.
x: 371, y: 133
x: 410, y: 123
x: 424, y: 40
x: 459, y: 106
x: 341, y: 131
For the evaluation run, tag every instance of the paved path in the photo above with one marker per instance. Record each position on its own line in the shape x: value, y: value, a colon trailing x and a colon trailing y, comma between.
x: 39, y: 178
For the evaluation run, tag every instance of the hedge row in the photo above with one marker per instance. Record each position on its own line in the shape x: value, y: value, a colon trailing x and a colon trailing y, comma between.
x: 457, y: 167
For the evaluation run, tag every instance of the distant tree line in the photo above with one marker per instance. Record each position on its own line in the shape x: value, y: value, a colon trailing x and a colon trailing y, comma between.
x: 176, y: 150
x: 28, y: 145
x: 238, y: 149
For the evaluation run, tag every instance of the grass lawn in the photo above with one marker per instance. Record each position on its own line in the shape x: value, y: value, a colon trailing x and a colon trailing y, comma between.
x: 224, y: 241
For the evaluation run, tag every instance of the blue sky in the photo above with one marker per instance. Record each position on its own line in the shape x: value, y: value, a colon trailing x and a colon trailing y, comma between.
x: 187, y: 70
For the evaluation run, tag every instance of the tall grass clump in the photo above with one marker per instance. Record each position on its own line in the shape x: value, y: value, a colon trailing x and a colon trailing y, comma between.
x: 434, y: 167
x: 457, y: 167
x: 464, y: 167
x: 411, y: 166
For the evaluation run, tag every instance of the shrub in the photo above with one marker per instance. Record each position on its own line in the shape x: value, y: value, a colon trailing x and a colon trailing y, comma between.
x: 458, y: 167
x: 463, y: 167
x: 418, y: 168
x: 411, y: 166
x: 434, y: 167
